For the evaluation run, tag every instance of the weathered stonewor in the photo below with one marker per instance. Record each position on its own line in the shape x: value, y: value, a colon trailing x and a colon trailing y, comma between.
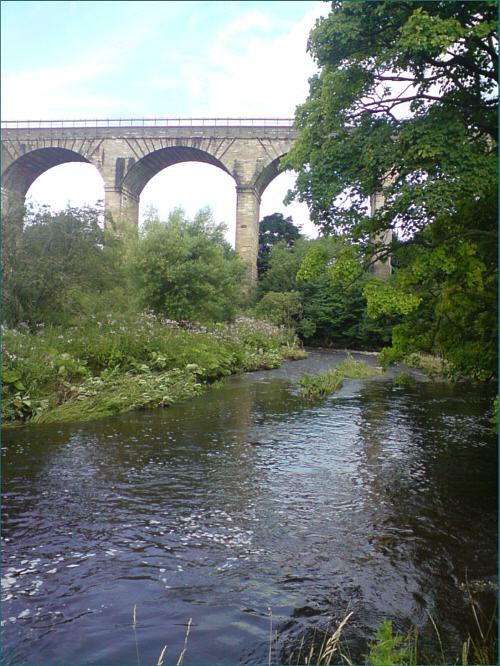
x: 127, y: 157
x: 382, y: 267
x: 128, y: 154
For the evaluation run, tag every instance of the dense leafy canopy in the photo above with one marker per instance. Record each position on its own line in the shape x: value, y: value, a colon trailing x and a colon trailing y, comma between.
x: 310, y: 287
x: 274, y: 229
x: 284, y: 262
x: 51, y: 261
x: 405, y: 102
x: 185, y: 269
x: 406, y: 96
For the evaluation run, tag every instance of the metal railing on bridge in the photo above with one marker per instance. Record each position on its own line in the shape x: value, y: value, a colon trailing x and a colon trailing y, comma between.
x: 148, y: 122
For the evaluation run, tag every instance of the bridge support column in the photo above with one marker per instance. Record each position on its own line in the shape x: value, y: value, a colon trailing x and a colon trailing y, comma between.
x: 247, y: 228
x: 382, y: 268
x: 12, y: 203
x: 120, y: 207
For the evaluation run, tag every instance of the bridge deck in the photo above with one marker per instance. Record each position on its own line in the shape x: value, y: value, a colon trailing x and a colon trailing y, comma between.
x: 147, y: 122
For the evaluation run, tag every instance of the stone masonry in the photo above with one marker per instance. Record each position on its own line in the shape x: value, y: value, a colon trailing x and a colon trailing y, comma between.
x: 128, y: 157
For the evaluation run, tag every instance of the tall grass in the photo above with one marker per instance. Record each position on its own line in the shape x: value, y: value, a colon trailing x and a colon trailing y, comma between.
x: 356, y: 369
x: 389, y: 648
x: 314, y: 389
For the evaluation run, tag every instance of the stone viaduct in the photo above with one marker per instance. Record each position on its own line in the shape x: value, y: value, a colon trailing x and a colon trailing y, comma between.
x: 128, y: 153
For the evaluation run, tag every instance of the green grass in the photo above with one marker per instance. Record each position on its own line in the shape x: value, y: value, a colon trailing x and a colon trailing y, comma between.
x: 356, y: 369
x: 314, y: 389
x: 116, y: 364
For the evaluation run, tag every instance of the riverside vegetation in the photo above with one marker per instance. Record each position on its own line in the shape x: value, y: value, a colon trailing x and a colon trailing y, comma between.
x: 89, y: 328
x: 115, y: 365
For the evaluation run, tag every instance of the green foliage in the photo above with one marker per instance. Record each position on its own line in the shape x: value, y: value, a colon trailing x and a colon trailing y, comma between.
x: 384, y: 298
x: 356, y: 369
x: 124, y: 362
x: 186, y: 269
x: 280, y: 308
x: 274, y: 229
x: 328, y: 277
x: 405, y: 103
x: 452, y: 288
x: 404, y: 379
x: 117, y: 392
x: 314, y: 263
x: 390, y: 649
x: 284, y: 263
x: 494, y: 416
x: 54, y: 263
x: 314, y: 389
x: 331, y: 280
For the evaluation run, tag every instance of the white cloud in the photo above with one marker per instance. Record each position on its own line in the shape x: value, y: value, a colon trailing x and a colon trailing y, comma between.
x: 260, y: 75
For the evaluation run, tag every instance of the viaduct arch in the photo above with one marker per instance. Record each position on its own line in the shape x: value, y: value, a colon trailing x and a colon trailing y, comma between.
x: 128, y: 153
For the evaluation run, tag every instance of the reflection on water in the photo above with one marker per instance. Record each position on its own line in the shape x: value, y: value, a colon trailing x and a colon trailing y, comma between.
x: 377, y: 501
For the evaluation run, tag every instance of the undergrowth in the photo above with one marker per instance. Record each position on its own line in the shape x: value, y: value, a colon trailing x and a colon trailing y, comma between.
x: 116, y: 363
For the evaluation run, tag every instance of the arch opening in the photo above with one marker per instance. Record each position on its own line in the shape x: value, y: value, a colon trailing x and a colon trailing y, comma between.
x: 70, y: 184
x: 23, y: 172
x: 273, y: 195
x: 192, y: 186
x: 141, y: 172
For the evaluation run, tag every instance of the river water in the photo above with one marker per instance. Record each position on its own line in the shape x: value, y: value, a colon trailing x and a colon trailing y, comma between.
x: 380, y: 501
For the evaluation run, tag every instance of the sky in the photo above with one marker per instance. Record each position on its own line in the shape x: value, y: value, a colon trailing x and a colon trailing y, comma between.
x: 99, y: 59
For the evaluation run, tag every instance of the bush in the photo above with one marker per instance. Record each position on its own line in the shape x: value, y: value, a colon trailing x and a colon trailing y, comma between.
x: 53, y: 261
x: 281, y: 308
x: 185, y: 269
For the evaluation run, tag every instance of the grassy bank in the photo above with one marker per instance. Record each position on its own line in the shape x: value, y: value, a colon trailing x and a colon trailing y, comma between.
x: 116, y: 364
x: 314, y: 389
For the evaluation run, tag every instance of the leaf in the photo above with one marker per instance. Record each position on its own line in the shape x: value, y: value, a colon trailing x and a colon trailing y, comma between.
x: 10, y: 376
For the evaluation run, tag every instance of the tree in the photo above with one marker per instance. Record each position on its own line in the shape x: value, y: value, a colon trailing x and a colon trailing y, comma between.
x: 284, y: 262
x: 274, y: 229
x: 334, y: 303
x: 185, y: 269
x: 406, y: 103
x: 311, y: 287
x: 51, y: 261
x: 407, y: 90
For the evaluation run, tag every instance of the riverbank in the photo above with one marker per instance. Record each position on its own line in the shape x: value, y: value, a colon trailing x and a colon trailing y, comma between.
x: 114, y: 365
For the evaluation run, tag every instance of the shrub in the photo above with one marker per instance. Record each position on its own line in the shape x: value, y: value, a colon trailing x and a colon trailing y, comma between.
x: 185, y: 269
x: 281, y: 308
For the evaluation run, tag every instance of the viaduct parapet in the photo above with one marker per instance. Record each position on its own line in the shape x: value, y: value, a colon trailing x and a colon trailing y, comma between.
x: 128, y: 154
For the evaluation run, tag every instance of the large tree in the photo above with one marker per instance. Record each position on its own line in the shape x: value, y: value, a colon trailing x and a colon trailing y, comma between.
x: 272, y: 230
x: 406, y: 99
x: 405, y: 102
x: 54, y: 264
x: 185, y: 269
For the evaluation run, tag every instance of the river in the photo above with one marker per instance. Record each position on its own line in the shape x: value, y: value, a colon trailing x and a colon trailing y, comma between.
x: 380, y: 501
